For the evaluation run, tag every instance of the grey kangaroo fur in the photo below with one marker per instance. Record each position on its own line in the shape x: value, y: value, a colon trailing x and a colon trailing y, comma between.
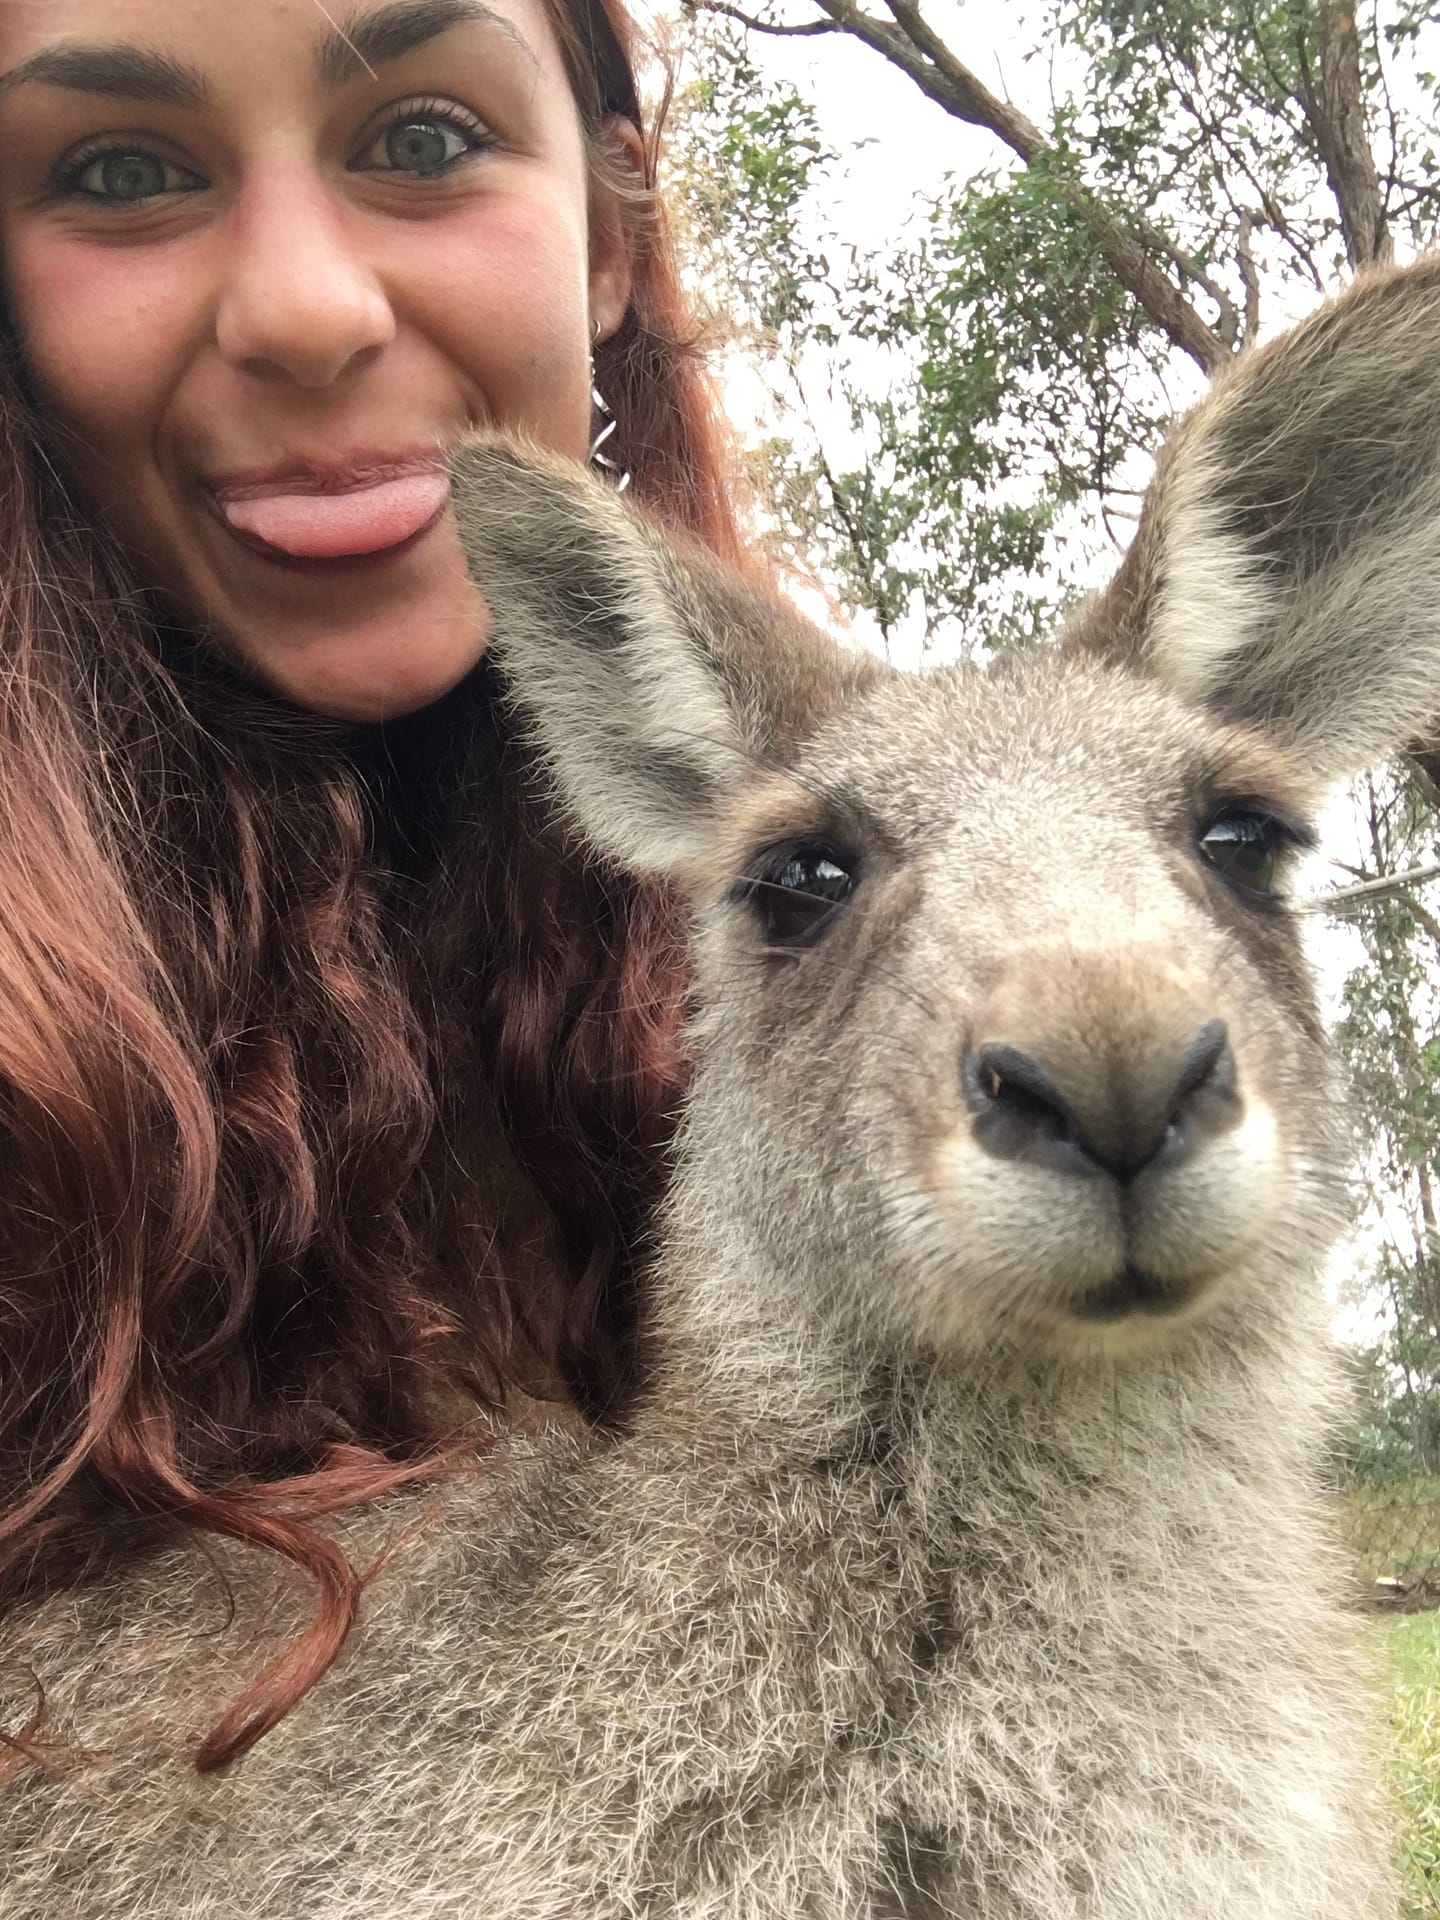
x: 966, y: 1557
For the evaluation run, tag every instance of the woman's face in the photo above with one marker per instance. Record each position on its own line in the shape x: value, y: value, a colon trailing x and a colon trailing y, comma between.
x: 266, y: 259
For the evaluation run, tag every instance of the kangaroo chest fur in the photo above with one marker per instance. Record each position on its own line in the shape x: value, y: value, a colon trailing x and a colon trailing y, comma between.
x: 964, y: 1662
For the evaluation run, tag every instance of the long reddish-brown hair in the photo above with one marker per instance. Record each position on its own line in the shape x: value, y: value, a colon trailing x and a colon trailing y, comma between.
x: 283, y: 1006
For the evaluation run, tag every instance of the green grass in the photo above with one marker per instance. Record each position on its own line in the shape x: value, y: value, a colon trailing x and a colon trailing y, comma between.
x: 1412, y: 1654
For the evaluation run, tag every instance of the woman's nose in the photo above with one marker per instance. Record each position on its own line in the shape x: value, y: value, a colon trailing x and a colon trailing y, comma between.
x: 298, y: 297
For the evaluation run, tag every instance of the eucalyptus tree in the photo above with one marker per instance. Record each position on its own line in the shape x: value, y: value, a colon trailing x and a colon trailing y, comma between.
x: 1188, y: 174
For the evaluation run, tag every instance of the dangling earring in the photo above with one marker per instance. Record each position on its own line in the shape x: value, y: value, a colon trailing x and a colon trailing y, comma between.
x: 602, y: 460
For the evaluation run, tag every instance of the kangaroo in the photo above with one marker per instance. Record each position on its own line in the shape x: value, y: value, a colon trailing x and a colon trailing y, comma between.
x: 966, y: 1555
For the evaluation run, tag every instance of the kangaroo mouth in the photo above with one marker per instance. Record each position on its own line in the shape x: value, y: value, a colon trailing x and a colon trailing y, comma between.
x: 1133, y: 1290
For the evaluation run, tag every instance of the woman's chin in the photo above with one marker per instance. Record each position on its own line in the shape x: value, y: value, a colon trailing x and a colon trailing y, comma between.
x: 367, y: 671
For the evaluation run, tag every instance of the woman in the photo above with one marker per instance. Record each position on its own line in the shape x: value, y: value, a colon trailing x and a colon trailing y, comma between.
x: 334, y: 1080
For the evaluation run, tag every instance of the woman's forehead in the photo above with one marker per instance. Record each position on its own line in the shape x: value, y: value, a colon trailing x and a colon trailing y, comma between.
x: 88, y: 42
x: 35, y: 23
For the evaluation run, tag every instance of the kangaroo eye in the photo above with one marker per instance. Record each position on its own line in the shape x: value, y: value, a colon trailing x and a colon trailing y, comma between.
x: 1247, y: 847
x: 797, y: 890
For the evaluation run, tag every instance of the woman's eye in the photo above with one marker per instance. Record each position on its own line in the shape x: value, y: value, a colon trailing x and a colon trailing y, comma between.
x: 127, y: 177
x: 798, y: 891
x: 422, y: 144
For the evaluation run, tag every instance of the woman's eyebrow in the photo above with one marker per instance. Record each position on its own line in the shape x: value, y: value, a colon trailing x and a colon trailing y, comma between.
x: 124, y: 73
x: 370, y: 38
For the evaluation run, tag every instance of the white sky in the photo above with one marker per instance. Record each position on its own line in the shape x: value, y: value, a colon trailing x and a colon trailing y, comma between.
x: 916, y: 143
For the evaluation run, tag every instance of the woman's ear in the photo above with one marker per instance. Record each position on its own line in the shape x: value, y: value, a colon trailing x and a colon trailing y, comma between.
x: 619, y: 163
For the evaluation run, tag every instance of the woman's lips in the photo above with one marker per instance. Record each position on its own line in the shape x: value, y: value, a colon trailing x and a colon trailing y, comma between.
x: 307, y: 521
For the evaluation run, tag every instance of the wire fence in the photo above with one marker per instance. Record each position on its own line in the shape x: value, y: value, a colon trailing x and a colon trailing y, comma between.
x: 1393, y: 1527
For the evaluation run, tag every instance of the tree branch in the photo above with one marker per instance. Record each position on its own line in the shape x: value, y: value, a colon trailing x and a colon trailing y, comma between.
x: 913, y: 47
x: 1335, y: 108
x: 1425, y: 920
x: 1368, y: 890
x: 1419, y: 196
x: 1392, y: 118
x: 801, y: 30
x: 1249, y: 278
x: 1214, y: 131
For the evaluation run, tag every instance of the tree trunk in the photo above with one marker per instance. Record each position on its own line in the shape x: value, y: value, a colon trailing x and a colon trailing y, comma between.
x: 1335, y: 109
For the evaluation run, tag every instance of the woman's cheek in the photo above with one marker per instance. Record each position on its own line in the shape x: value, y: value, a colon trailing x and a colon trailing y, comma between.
x: 94, y: 334
x: 510, y: 307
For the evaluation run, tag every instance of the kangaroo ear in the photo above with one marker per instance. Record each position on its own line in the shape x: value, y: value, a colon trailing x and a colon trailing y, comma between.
x: 635, y: 729
x: 653, y: 681
x: 1287, y: 567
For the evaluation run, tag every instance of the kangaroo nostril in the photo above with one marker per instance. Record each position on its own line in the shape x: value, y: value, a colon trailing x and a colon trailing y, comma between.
x: 1015, y: 1079
x: 1205, y: 1087
x: 1208, y: 1057
x: 1017, y: 1101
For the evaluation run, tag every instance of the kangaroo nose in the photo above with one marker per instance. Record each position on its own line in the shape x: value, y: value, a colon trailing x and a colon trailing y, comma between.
x: 1070, y: 1109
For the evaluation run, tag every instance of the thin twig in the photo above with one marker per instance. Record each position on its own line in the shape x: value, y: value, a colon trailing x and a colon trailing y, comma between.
x: 1370, y: 889
x: 801, y: 29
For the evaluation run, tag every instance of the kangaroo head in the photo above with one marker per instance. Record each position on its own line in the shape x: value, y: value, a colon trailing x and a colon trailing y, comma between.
x: 1004, y: 1032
